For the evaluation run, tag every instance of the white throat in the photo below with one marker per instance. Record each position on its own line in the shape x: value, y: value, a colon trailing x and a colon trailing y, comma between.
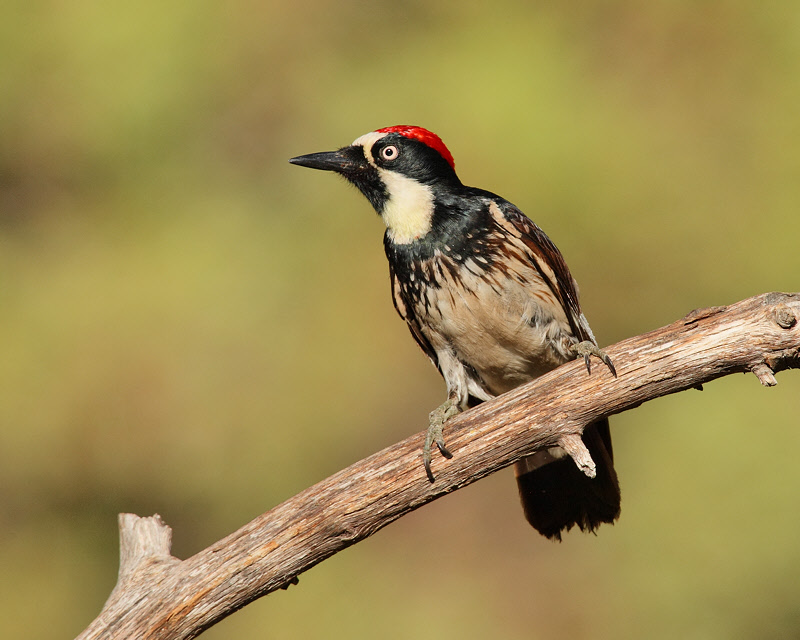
x: 409, y: 210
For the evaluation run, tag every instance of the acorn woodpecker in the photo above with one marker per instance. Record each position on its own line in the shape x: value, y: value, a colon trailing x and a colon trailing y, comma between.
x: 490, y: 300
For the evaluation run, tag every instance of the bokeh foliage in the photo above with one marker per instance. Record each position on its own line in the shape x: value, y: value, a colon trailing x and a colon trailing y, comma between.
x: 193, y: 327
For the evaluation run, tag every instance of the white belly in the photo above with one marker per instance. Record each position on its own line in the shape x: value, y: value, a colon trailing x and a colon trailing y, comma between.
x: 509, y: 333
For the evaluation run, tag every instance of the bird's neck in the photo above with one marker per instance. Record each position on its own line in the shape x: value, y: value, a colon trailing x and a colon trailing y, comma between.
x: 450, y: 227
x: 408, y: 211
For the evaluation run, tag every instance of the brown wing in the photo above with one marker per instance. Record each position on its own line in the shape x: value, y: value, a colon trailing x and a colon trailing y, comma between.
x: 557, y: 496
x: 551, y: 266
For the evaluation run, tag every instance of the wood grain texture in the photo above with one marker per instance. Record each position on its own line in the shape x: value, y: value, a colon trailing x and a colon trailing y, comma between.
x: 159, y: 596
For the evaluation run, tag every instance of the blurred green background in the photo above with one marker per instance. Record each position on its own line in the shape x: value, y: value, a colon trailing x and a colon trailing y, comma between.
x: 191, y: 326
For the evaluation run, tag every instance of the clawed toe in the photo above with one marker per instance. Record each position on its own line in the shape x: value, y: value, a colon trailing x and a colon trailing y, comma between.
x: 588, y: 349
x: 435, y: 434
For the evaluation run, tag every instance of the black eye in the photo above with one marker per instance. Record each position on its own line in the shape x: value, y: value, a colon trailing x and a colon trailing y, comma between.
x: 390, y: 153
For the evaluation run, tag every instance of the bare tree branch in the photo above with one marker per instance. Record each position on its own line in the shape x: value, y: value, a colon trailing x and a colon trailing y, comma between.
x: 159, y: 596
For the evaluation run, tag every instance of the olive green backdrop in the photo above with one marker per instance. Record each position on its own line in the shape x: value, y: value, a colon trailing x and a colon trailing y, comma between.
x: 191, y: 326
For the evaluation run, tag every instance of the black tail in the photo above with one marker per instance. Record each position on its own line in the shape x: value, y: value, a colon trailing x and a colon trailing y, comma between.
x: 556, y: 495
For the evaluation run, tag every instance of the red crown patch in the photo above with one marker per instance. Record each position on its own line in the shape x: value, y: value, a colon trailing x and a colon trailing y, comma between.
x: 423, y: 135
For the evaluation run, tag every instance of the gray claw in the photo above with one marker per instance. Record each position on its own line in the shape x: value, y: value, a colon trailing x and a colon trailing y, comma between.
x: 588, y: 349
x: 435, y: 434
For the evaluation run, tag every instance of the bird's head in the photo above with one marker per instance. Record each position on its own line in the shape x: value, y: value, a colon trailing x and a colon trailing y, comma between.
x: 400, y: 170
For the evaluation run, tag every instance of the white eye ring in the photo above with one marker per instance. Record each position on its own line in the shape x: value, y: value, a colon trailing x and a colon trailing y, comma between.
x: 390, y: 153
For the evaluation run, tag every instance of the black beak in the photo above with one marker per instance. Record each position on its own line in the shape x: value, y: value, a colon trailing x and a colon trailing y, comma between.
x: 346, y: 160
x: 351, y: 163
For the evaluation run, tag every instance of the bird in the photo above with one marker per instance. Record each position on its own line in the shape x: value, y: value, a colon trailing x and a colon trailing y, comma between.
x: 489, y: 299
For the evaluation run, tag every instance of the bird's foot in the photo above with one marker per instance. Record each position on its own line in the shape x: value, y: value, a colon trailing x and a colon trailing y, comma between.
x: 435, y: 434
x: 588, y: 349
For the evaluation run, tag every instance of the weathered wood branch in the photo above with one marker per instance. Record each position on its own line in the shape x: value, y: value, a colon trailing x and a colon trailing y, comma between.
x: 159, y: 596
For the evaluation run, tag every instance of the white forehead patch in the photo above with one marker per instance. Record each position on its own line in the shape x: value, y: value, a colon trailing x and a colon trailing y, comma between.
x: 366, y: 141
x: 409, y: 208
